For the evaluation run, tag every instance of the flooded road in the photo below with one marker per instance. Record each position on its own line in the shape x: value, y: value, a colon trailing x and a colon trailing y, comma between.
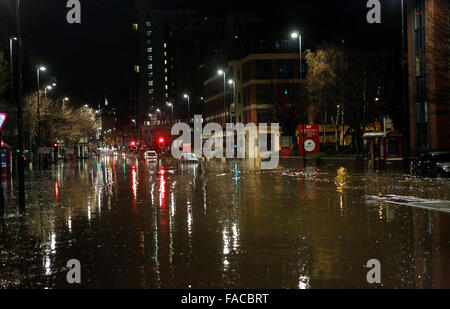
x: 225, y: 225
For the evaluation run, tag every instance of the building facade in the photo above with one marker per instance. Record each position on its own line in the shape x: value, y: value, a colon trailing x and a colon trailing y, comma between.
x: 257, y: 88
x: 428, y: 74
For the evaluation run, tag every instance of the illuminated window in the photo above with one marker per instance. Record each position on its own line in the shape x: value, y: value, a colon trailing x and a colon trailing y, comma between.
x: 150, y: 83
x: 167, y: 87
x: 165, y: 53
x: 150, y: 74
x: 149, y: 24
x: 150, y: 58
x: 150, y: 66
x: 165, y: 61
x: 165, y: 45
x: 149, y: 33
x: 165, y: 70
x: 149, y: 49
x: 150, y: 91
x: 167, y: 95
x: 135, y: 27
x: 165, y: 78
x: 136, y: 68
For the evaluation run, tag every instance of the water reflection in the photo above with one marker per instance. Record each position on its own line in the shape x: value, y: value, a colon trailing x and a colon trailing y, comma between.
x: 226, y: 225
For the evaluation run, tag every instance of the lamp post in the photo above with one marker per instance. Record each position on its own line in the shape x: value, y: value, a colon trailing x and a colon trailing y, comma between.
x: 11, y: 42
x: 134, y: 122
x: 296, y: 35
x: 171, y: 107
x: 222, y: 73
x: 45, y: 90
x: 186, y: 96
x: 66, y: 99
x: 231, y: 82
x: 38, y: 70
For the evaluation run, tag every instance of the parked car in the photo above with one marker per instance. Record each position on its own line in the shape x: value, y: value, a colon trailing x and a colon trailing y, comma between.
x: 188, y: 157
x: 151, y: 155
x: 432, y: 164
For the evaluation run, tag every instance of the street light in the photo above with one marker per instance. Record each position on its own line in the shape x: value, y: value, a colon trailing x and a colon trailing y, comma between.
x: 38, y: 70
x: 231, y: 82
x: 296, y: 35
x: 45, y: 90
x: 222, y: 72
x: 12, y: 64
x: 186, y: 96
x: 65, y: 99
x: 171, y: 106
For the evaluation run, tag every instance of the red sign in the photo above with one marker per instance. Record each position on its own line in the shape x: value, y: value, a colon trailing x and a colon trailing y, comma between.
x: 2, y: 119
x: 312, y: 141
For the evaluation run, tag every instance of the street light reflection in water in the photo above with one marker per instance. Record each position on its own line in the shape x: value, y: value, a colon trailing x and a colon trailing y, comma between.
x: 225, y: 225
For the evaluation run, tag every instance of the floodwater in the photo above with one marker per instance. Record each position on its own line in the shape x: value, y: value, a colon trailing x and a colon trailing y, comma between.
x: 216, y: 224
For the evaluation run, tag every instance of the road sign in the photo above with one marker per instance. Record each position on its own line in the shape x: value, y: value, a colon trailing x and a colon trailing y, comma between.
x: 2, y: 119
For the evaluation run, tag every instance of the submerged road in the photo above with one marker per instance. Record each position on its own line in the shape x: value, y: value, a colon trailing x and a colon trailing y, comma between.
x: 216, y: 224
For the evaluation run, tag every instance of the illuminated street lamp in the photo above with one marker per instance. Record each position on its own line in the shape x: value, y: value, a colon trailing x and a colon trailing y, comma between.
x: 65, y: 99
x: 296, y: 35
x: 171, y: 106
x: 186, y: 96
x: 231, y: 82
x: 222, y: 73
x: 38, y: 70
x: 48, y: 88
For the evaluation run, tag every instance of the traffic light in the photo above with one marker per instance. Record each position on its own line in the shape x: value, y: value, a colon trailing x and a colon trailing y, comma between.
x: 161, y: 140
x: 55, y: 145
x: 132, y: 143
x: 2, y: 144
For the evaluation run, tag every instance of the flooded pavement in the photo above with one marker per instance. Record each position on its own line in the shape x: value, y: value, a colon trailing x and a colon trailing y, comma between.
x: 226, y: 225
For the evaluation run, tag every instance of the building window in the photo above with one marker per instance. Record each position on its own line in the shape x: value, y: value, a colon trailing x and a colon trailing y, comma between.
x: 149, y: 24
x: 165, y: 61
x: 150, y: 66
x: 135, y: 27
x: 150, y: 83
x: 150, y: 58
x: 165, y: 54
x: 136, y: 68
x: 165, y: 45
x: 150, y: 74
x: 150, y: 91
x: 167, y: 87
x: 149, y: 32
x: 149, y: 49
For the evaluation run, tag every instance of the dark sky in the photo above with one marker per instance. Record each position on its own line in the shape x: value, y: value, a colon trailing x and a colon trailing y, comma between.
x: 91, y: 56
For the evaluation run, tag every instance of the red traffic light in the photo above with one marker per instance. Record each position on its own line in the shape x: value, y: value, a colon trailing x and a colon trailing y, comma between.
x: 161, y: 140
x: 2, y: 144
x: 132, y: 143
x: 55, y: 145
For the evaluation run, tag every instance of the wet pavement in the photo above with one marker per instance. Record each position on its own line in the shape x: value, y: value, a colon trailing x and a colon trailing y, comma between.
x: 216, y: 224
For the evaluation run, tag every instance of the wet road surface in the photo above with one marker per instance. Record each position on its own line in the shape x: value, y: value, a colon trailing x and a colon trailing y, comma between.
x: 133, y: 224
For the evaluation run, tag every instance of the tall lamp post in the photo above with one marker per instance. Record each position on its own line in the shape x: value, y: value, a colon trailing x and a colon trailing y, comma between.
x: 231, y: 82
x: 171, y: 107
x: 296, y: 35
x: 222, y: 73
x: 48, y: 88
x: 38, y: 70
x: 11, y: 45
x: 186, y: 96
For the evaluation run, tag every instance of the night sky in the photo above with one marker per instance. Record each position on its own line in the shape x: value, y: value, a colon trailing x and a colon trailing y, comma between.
x: 90, y: 57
